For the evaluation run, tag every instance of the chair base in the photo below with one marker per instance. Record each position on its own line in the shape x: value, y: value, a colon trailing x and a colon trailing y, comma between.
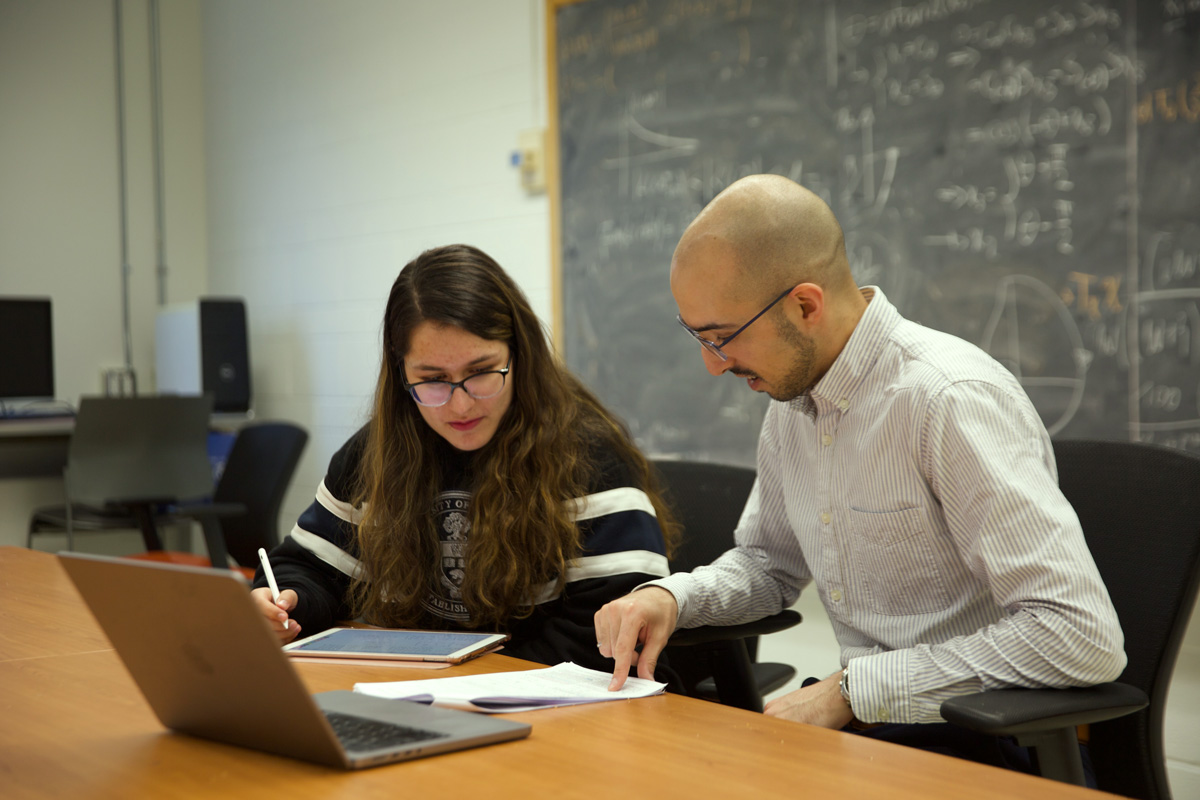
x: 89, y: 519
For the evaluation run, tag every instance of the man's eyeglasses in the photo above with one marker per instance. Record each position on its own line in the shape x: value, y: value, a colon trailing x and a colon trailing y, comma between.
x: 481, y: 386
x: 715, y: 347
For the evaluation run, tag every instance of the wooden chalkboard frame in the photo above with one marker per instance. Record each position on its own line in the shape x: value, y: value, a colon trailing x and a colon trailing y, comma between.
x: 553, y: 180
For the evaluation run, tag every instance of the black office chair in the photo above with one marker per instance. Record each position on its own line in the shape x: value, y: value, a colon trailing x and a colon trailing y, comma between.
x: 717, y: 662
x: 127, y: 457
x: 244, y: 513
x: 1139, y: 506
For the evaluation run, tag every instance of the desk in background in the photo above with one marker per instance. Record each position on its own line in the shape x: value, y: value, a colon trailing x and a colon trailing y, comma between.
x: 73, y: 724
x: 33, y: 453
x: 34, y: 447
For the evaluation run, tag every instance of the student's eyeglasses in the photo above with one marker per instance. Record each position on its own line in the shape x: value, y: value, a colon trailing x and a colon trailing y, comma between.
x: 715, y: 347
x: 481, y: 386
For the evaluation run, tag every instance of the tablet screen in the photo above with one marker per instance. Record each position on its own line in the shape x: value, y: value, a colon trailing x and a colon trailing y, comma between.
x: 392, y: 642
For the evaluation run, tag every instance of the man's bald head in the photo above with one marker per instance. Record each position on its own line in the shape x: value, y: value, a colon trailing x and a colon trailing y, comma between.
x: 772, y: 232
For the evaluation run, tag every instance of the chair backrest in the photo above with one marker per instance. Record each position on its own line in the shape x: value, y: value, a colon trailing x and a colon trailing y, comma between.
x: 708, y: 500
x: 257, y: 474
x: 139, y: 449
x: 1139, y: 506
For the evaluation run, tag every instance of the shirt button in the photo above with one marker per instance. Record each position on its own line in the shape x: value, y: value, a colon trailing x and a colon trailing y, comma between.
x: 825, y: 517
x: 835, y: 596
x: 843, y: 404
x: 827, y: 440
x: 883, y: 714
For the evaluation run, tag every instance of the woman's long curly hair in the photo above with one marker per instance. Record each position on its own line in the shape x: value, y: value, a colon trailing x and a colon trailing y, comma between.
x: 523, y: 534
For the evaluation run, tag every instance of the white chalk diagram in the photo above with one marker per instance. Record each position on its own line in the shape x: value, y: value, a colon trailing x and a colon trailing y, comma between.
x: 1057, y: 397
x: 664, y: 146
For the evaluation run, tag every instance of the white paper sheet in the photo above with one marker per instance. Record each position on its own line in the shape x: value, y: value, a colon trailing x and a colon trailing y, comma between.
x: 505, y: 692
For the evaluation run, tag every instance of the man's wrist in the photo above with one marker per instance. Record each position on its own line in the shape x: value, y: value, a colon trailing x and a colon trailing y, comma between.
x: 844, y: 688
x: 669, y: 586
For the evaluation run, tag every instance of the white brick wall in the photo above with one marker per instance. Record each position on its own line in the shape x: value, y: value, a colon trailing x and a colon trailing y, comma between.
x: 343, y: 139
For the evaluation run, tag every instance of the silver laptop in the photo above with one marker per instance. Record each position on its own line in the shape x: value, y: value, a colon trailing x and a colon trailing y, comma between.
x: 210, y: 667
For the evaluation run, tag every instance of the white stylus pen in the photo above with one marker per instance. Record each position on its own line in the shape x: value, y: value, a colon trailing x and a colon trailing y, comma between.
x: 262, y: 556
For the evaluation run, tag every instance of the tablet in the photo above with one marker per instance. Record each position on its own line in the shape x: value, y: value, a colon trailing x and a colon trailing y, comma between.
x: 451, y: 647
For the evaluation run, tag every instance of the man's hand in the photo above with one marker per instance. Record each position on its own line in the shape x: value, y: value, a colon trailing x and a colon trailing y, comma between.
x: 819, y: 704
x: 646, y: 617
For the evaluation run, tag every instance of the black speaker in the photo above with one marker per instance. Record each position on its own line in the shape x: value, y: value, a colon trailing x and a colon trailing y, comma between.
x: 203, y: 347
x: 225, y: 354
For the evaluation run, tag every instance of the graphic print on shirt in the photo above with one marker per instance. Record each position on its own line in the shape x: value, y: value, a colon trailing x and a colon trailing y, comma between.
x: 452, y: 516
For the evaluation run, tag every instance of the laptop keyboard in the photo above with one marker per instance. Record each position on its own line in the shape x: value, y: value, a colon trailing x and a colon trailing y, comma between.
x: 359, y: 733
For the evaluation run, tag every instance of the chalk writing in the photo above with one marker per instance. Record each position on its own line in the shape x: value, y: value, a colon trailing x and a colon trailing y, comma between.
x: 1021, y: 174
x: 903, y: 18
x: 1014, y: 80
x: 1091, y: 294
x: 1026, y: 129
x: 1179, y: 103
x: 1168, y: 263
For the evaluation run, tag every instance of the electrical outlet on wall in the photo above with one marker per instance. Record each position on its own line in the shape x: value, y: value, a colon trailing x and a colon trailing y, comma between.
x: 530, y: 159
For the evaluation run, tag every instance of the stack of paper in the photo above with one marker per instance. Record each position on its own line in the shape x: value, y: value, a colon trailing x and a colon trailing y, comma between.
x: 502, y: 692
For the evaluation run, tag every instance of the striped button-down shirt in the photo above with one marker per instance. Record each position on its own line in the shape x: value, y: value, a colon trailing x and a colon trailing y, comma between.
x: 915, y: 487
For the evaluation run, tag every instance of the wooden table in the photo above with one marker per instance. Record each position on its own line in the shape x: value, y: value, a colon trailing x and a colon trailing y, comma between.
x: 73, y: 724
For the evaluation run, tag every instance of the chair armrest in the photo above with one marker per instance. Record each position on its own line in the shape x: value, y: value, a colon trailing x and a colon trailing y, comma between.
x: 1009, y: 712
x: 199, y: 510
x: 716, y: 633
x: 209, y: 516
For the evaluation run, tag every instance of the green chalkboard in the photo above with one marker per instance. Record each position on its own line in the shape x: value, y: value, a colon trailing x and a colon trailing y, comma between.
x: 1024, y: 175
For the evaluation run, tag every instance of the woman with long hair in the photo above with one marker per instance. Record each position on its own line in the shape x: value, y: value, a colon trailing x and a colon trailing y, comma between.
x: 489, y: 490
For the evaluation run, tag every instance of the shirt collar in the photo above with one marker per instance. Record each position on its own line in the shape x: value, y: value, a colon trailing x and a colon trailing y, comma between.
x: 839, y: 383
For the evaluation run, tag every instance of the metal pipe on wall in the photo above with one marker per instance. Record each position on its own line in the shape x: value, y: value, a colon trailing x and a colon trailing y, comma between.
x: 160, y: 213
x: 122, y: 381
x: 126, y: 268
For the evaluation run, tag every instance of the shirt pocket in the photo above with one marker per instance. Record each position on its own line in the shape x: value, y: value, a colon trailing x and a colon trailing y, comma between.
x: 897, y: 562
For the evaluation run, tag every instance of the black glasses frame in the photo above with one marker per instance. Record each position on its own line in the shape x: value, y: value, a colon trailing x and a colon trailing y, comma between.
x: 411, y: 388
x: 715, y: 347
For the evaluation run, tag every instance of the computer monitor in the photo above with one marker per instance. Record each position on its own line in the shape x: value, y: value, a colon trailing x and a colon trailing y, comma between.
x: 26, y: 349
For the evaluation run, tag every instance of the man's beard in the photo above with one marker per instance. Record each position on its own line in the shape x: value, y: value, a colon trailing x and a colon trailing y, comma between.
x: 801, y: 377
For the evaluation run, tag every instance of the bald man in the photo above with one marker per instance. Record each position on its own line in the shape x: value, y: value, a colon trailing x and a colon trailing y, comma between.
x: 901, y: 471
